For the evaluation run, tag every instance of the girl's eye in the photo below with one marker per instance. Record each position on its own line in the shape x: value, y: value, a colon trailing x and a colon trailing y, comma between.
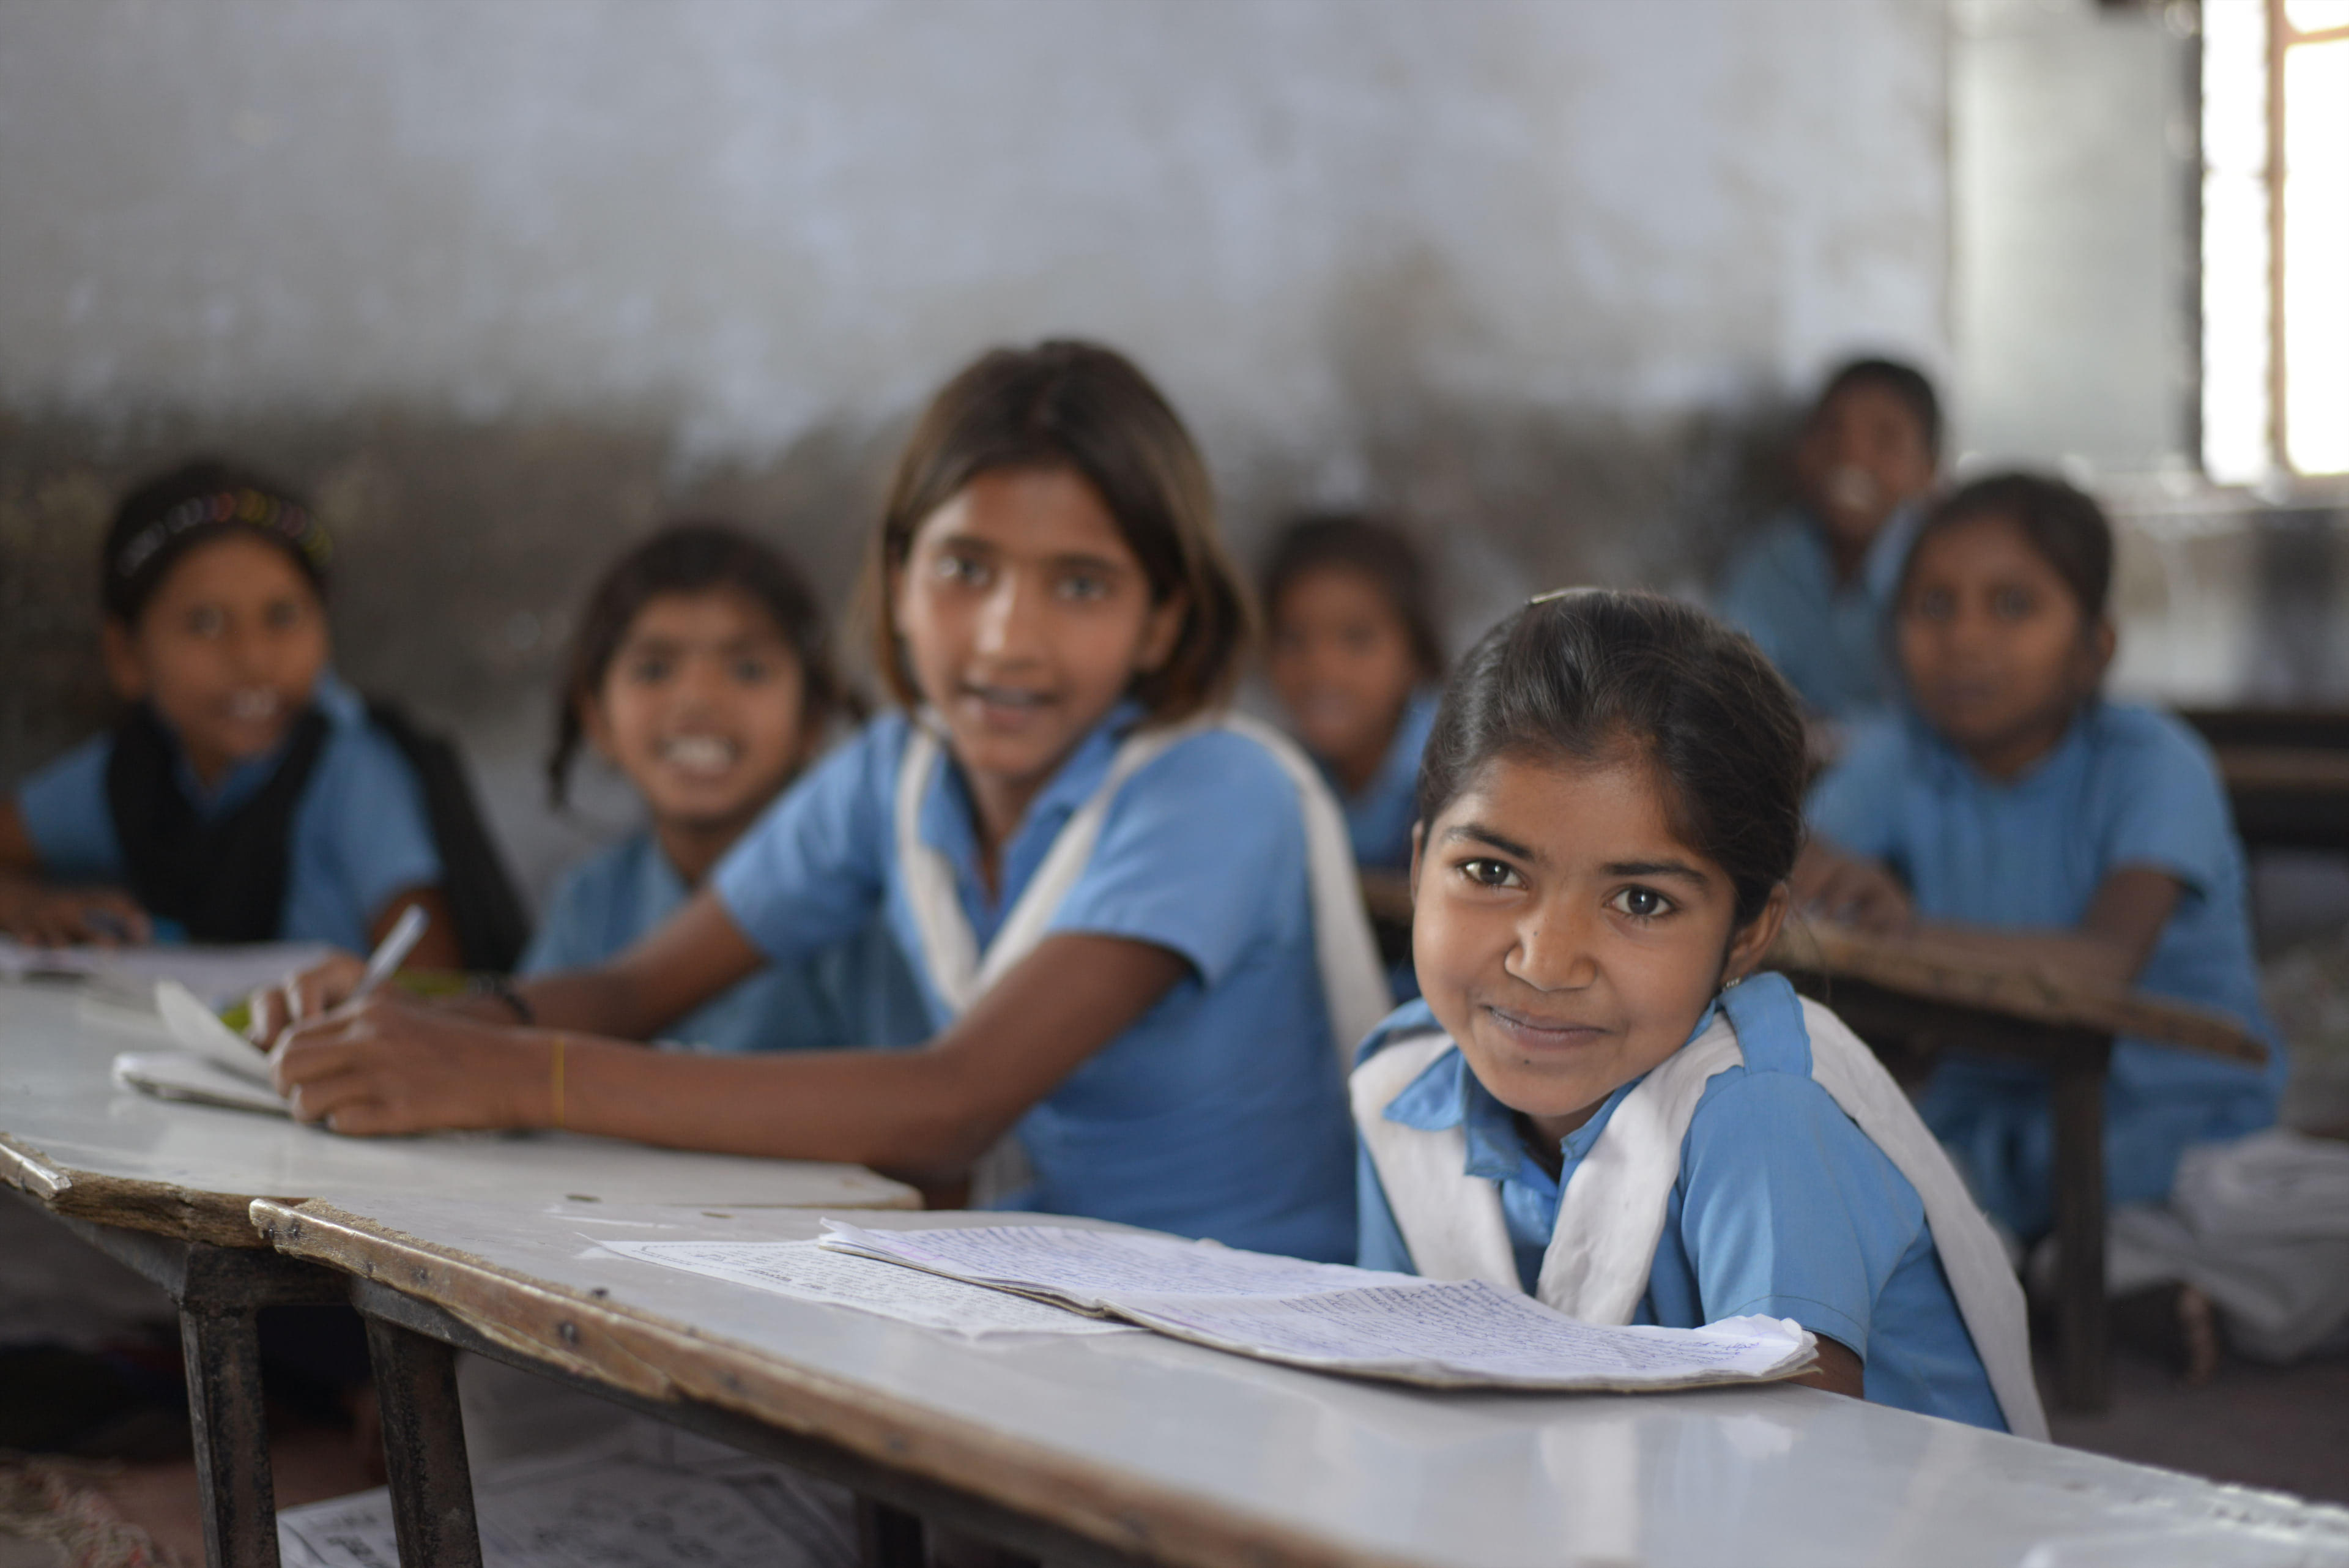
x: 2013, y: 603
x: 752, y: 671
x: 649, y: 671
x: 207, y: 621
x: 283, y: 615
x: 1489, y: 873
x: 1085, y: 585
x: 1640, y: 903
x: 956, y: 569
x: 1934, y: 604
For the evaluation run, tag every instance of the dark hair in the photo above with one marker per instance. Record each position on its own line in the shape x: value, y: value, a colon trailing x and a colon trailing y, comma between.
x: 690, y: 557
x: 2065, y: 525
x: 1375, y: 549
x: 1587, y: 674
x: 1903, y: 381
x: 1082, y: 407
x: 200, y: 501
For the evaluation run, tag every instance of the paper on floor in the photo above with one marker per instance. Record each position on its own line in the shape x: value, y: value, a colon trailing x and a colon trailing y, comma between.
x: 1441, y: 1333
x: 811, y: 1272
x: 605, y: 1511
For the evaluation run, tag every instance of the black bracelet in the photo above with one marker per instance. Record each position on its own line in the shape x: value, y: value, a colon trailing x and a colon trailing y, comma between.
x: 499, y: 987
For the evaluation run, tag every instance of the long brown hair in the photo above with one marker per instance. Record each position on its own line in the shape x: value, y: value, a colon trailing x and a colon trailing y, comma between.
x: 1082, y: 407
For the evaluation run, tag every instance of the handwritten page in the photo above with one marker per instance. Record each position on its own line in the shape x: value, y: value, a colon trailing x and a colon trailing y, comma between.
x: 603, y: 1510
x: 811, y: 1272
x: 184, y: 1075
x: 1441, y: 1333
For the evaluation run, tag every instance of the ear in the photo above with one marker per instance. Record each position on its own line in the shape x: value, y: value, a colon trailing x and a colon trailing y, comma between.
x: 1418, y: 844
x: 1750, y: 946
x: 2103, y: 640
x: 126, y: 667
x: 1160, y: 632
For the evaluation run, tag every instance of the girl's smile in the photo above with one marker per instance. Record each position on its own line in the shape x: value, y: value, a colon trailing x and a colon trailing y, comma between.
x: 1565, y: 935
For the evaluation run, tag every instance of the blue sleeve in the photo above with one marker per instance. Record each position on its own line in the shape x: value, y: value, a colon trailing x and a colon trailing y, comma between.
x: 1788, y: 1209
x: 1202, y: 853
x: 66, y: 816
x: 1378, y: 1240
x: 364, y: 826
x: 2168, y: 812
x: 811, y: 870
x: 1746, y: 600
x: 1856, y: 805
x: 566, y: 934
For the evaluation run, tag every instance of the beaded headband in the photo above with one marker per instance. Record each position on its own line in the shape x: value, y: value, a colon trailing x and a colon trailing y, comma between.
x: 245, y: 508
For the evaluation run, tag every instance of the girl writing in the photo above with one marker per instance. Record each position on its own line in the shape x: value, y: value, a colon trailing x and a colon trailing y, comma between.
x: 699, y: 672
x: 1598, y: 1101
x: 2013, y: 811
x: 247, y: 794
x: 1132, y: 920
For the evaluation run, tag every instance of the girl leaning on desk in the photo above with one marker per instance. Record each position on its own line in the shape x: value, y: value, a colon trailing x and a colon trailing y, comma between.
x: 1059, y: 621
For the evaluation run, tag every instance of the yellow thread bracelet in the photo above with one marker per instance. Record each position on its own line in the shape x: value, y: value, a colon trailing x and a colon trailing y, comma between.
x: 557, y: 1076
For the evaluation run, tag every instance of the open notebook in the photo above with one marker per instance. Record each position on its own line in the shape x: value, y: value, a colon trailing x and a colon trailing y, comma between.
x: 1442, y: 1334
x: 214, y: 1067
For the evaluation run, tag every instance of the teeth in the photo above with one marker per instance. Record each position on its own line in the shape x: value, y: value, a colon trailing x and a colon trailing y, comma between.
x: 701, y: 753
x: 252, y: 705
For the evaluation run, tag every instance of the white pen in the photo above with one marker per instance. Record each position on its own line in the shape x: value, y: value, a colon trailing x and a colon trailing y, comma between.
x: 392, y: 951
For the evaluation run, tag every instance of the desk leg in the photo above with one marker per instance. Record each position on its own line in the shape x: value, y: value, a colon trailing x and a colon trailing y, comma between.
x: 2082, y: 1371
x: 889, y: 1537
x: 231, y: 1435
x: 424, y: 1449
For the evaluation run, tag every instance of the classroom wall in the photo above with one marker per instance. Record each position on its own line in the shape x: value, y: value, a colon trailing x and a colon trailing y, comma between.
x: 503, y: 282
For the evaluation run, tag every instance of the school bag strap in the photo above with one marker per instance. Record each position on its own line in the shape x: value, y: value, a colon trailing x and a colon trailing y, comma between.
x: 492, y: 925
x: 1611, y: 1216
x: 222, y: 881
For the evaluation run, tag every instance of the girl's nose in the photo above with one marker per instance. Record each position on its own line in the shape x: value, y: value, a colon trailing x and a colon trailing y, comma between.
x: 1553, y: 952
x: 1006, y: 619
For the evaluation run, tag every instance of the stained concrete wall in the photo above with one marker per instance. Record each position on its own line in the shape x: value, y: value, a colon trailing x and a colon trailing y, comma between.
x: 503, y: 282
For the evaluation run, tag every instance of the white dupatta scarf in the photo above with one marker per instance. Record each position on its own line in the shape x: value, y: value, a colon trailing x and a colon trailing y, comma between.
x: 1611, y: 1214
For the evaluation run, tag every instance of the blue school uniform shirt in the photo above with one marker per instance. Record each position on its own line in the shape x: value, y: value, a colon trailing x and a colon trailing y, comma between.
x: 1784, y: 1207
x: 1825, y: 637
x: 359, y: 833
x: 1220, y: 1112
x: 2127, y: 786
x: 857, y: 992
x: 1379, y: 817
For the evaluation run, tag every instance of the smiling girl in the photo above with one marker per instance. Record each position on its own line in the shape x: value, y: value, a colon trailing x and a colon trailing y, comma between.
x: 247, y: 794
x: 1133, y: 919
x: 699, y: 673
x: 1598, y: 1101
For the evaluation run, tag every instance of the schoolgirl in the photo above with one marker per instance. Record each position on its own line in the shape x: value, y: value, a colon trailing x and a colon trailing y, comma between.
x: 1598, y: 1101
x: 1133, y: 920
x: 1352, y: 655
x: 2013, y: 810
x: 247, y: 794
x: 699, y: 672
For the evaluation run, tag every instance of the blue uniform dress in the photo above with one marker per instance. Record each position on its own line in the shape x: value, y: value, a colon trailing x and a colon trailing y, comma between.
x: 1784, y: 1207
x: 856, y: 992
x: 1827, y: 637
x: 2128, y: 786
x: 1220, y: 1112
x: 359, y: 834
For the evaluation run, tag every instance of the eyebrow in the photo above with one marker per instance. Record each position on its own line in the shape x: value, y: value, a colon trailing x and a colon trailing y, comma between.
x: 1681, y: 868
x: 1479, y: 833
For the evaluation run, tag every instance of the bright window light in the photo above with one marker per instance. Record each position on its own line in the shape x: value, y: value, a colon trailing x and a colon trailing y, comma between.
x: 2316, y: 248
x: 2238, y: 436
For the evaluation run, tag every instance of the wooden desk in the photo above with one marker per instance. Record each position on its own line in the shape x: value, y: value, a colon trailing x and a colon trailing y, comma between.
x: 165, y: 1188
x: 1910, y: 1000
x: 1137, y: 1449
x: 2286, y: 771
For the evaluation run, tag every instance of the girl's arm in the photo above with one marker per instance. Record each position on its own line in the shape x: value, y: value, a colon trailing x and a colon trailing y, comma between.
x: 33, y: 911
x: 2109, y: 945
x: 1838, y: 1371
x: 388, y: 1066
